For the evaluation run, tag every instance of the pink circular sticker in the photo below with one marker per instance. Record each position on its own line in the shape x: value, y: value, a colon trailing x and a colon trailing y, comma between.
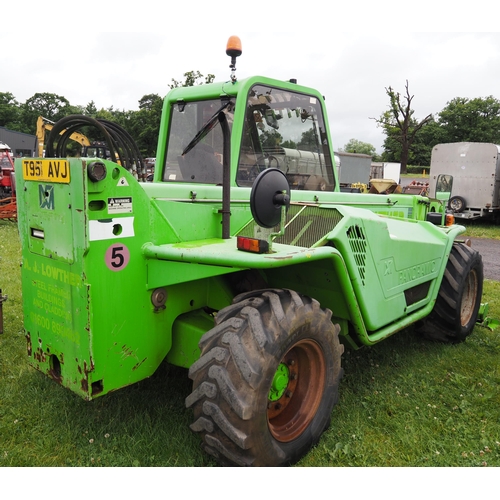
x: 117, y: 257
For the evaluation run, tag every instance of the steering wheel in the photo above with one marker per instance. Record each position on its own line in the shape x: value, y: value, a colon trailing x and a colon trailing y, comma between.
x: 272, y: 162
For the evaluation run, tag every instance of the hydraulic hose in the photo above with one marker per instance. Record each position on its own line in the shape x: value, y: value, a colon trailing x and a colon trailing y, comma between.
x: 118, y: 141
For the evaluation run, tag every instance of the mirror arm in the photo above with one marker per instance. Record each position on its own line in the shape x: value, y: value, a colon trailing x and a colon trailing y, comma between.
x: 281, y: 232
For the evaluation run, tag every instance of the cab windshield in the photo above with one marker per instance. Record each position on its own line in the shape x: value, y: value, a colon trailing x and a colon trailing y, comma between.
x: 285, y: 130
x: 195, y: 146
x: 282, y: 129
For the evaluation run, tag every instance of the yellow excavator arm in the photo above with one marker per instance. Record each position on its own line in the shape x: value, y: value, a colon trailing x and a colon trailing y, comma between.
x: 44, y: 125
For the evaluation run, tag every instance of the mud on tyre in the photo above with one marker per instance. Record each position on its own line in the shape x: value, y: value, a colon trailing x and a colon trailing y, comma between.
x: 457, y: 305
x: 267, y: 379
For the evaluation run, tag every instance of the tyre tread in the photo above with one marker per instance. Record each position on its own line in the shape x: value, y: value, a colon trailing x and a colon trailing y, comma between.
x: 444, y: 322
x: 229, y: 375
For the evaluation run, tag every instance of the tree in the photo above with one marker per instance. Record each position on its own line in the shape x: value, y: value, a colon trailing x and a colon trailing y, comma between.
x: 9, y: 111
x: 398, y: 122
x: 90, y: 109
x: 471, y: 120
x: 270, y: 139
x: 425, y: 140
x: 145, y: 123
x: 192, y: 78
x: 50, y: 106
x: 309, y: 141
x: 420, y: 153
x: 355, y: 146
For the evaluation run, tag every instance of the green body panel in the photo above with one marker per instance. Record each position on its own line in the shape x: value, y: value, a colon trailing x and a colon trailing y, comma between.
x: 73, y: 267
x: 119, y: 275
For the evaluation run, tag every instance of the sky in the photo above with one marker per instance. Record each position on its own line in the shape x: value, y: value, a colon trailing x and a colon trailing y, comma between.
x: 351, y: 69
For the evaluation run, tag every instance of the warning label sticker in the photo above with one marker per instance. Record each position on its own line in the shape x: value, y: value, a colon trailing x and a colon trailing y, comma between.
x: 120, y: 205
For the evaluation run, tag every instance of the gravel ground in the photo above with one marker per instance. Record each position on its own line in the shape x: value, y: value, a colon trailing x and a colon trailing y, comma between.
x: 490, y: 251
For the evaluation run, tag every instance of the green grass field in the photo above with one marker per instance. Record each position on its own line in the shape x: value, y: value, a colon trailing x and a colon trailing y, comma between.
x: 404, y: 402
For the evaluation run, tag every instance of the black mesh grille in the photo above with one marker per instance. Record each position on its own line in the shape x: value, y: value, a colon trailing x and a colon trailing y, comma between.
x: 305, y: 226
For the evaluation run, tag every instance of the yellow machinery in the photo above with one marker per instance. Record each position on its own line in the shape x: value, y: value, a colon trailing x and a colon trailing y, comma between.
x: 44, y: 125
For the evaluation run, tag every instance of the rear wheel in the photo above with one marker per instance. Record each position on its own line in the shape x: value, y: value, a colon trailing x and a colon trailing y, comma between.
x: 457, y: 305
x: 267, y: 379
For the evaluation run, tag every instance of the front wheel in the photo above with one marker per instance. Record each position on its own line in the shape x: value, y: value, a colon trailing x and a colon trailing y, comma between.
x: 267, y: 379
x: 459, y: 298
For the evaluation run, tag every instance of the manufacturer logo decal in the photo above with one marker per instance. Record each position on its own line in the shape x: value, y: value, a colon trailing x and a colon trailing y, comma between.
x: 46, y: 196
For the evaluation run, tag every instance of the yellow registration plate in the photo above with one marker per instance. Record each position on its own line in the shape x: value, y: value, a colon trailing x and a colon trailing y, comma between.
x: 53, y: 170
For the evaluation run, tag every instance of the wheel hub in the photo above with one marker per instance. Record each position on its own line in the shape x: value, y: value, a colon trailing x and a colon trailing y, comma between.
x: 296, y: 390
x: 280, y: 382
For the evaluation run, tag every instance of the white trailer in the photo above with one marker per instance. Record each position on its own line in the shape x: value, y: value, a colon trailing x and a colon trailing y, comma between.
x: 475, y: 168
x: 353, y: 170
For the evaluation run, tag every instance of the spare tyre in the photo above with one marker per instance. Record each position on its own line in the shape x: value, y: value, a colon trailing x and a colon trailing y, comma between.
x: 457, y: 204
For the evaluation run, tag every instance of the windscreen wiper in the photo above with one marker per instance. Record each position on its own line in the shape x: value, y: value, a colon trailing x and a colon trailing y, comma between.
x: 205, y: 129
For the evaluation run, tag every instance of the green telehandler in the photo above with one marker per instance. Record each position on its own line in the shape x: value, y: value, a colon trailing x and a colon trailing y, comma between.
x: 241, y: 261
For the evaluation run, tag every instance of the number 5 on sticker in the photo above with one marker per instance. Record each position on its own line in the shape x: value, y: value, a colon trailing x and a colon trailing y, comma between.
x: 117, y: 257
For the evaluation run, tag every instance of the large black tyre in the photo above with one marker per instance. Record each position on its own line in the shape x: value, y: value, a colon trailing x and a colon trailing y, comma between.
x: 457, y: 305
x: 267, y: 379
